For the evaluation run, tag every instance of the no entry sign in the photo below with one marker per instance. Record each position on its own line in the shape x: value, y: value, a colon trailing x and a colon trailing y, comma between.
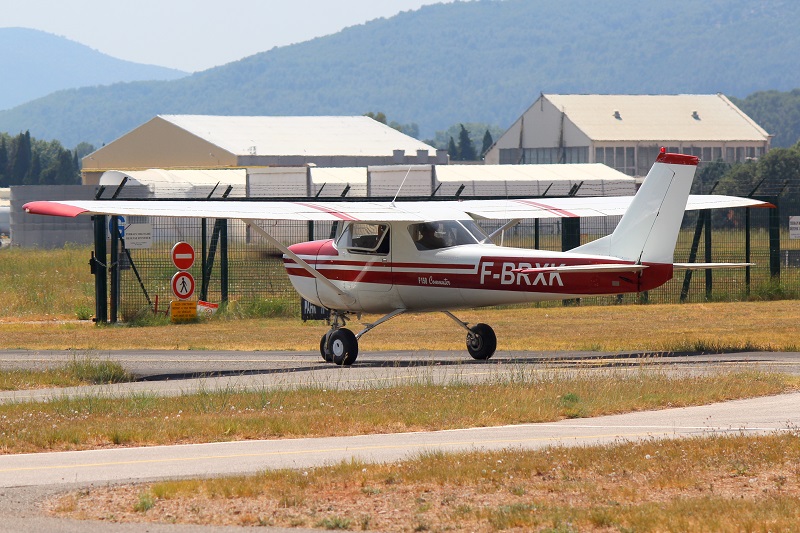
x: 183, y: 285
x: 183, y: 255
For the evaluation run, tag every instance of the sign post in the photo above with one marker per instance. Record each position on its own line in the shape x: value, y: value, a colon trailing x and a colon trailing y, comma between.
x: 183, y: 309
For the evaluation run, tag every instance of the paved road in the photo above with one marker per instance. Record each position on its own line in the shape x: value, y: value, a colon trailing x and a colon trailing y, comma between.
x: 24, y: 479
x: 178, y: 372
x: 138, y: 464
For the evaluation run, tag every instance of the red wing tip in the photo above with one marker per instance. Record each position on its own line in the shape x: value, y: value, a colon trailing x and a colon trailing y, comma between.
x: 677, y: 159
x: 53, y: 209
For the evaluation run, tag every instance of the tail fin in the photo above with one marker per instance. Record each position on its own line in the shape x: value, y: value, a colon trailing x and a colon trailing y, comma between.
x: 649, y: 228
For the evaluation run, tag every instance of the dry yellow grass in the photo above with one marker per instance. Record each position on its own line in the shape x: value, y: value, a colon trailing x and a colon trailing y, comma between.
x: 751, y: 325
x: 227, y: 415
x: 723, y: 483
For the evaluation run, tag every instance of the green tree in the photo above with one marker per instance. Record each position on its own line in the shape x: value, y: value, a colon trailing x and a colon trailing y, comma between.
x: 3, y: 161
x: 411, y: 129
x: 452, y: 150
x: 34, y: 175
x: 708, y: 175
x: 477, y: 131
x: 83, y: 149
x: 21, y: 160
x: 466, y: 150
x: 379, y: 116
x: 487, y: 142
x: 739, y: 180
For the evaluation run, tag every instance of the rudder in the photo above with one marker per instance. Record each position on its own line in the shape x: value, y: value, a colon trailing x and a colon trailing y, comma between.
x: 649, y: 229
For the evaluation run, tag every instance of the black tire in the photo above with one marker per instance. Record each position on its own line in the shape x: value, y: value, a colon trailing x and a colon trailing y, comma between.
x: 481, y: 342
x: 326, y: 354
x: 343, y: 346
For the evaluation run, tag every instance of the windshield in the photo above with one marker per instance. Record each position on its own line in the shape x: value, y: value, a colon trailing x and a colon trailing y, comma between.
x: 444, y: 234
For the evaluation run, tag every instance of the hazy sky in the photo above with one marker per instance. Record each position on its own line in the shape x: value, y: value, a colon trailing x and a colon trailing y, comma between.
x: 194, y: 35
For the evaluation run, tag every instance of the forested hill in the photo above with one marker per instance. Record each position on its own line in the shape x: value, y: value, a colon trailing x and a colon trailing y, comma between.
x: 483, y: 61
x: 34, y: 64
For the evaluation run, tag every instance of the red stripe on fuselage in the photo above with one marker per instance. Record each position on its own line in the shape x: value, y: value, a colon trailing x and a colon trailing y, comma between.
x: 497, y: 274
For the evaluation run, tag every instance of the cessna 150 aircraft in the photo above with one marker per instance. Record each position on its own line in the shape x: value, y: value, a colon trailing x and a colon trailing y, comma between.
x: 397, y: 257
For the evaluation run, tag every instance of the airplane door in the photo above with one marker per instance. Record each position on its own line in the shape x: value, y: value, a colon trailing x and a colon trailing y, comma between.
x: 367, y: 248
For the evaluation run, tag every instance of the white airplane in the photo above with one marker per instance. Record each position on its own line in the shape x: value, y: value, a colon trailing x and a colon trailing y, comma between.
x: 392, y: 258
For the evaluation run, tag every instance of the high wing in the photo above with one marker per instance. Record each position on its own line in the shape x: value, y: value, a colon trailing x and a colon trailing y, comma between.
x: 587, y: 206
x: 372, y: 211
x: 254, y: 210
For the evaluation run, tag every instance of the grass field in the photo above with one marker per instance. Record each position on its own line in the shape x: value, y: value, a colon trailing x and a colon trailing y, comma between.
x: 656, y: 328
x: 731, y: 483
x: 737, y: 483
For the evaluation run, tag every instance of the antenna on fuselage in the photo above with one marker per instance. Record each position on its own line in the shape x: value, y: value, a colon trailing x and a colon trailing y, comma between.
x: 401, y: 185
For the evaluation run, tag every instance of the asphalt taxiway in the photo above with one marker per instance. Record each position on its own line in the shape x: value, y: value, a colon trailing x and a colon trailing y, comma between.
x: 27, y: 478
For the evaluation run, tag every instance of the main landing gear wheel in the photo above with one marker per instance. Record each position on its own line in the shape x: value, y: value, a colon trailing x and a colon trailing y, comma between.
x: 343, y: 346
x: 481, y: 342
x: 326, y: 354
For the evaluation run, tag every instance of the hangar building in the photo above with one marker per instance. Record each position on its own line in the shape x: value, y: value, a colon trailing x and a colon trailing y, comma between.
x: 202, y: 141
x: 625, y: 132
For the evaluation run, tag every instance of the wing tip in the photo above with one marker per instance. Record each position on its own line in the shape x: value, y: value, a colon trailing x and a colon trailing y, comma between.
x: 53, y: 209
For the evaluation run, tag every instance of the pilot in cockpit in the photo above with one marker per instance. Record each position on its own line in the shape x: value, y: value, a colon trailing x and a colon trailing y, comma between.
x: 428, y: 240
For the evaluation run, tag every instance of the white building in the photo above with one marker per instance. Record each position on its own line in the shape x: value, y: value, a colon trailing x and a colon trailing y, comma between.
x: 214, y: 142
x: 625, y: 132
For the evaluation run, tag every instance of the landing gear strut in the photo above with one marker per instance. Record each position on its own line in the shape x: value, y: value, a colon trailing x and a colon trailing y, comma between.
x: 481, y: 340
x: 340, y: 345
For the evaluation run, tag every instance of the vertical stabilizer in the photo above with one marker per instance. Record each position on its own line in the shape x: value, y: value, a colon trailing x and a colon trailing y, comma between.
x: 649, y: 228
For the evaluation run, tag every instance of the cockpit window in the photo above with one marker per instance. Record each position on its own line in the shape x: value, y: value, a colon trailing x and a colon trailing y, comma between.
x: 362, y: 238
x: 444, y: 234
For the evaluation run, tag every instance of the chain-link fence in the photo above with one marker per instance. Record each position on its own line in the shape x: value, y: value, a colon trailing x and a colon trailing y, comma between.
x: 236, y: 265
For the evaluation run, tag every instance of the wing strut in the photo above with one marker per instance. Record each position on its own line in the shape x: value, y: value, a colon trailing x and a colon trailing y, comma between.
x: 345, y: 298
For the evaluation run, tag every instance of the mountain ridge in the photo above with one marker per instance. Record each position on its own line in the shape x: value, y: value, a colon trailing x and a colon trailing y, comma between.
x: 483, y: 61
x: 42, y: 63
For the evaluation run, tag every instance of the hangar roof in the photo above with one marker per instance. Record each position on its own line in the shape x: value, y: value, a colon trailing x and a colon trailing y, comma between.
x: 307, y: 136
x: 686, y: 117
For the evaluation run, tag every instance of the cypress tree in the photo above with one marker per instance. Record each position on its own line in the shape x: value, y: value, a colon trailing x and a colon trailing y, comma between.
x: 487, y: 143
x: 34, y: 175
x: 452, y: 150
x: 466, y: 150
x: 21, y: 163
x: 65, y: 169
x: 3, y: 162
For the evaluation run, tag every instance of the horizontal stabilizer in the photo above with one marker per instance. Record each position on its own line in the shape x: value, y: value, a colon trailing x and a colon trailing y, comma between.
x: 611, y: 267
x: 705, y: 266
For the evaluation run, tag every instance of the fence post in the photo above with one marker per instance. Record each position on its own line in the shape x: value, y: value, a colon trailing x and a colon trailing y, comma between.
x: 775, y: 241
x: 570, y: 233
x: 709, y: 272
x: 204, y: 274
x: 113, y: 267
x: 570, y: 238
x: 687, y: 277
x: 223, y: 259
x: 747, y: 250
x: 98, y: 268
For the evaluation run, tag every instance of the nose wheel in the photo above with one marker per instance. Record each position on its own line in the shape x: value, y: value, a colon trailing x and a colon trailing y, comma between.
x: 339, y: 346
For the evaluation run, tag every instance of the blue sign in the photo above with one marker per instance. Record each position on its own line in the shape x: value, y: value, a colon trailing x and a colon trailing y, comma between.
x: 120, y: 225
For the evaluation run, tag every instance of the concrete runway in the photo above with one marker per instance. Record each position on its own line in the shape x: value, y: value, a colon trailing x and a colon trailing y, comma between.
x: 26, y: 478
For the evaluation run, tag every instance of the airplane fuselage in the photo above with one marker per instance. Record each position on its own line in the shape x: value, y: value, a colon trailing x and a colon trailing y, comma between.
x: 460, y: 276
